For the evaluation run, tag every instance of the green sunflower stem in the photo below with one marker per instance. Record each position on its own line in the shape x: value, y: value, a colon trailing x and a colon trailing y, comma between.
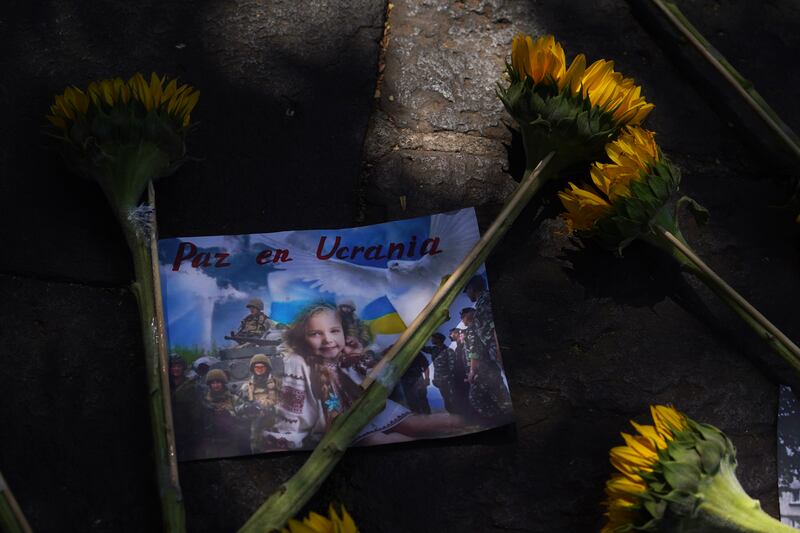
x: 741, y: 86
x: 727, y: 506
x: 287, y: 501
x: 12, y: 520
x: 141, y: 241
x: 674, y: 243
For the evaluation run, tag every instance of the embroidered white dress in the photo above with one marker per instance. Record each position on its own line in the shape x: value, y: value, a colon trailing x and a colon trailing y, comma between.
x: 393, y: 413
x: 300, y: 414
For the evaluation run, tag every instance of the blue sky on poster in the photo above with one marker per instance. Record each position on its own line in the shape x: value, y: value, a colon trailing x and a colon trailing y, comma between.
x: 204, y: 304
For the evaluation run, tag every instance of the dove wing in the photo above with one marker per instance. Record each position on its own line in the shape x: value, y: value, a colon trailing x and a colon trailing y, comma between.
x: 458, y: 233
x: 332, y: 275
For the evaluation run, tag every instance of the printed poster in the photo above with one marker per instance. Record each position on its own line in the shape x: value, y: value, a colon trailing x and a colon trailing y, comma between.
x: 271, y: 335
x: 789, y: 456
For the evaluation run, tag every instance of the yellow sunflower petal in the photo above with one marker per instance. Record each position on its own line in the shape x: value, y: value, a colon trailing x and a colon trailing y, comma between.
x: 542, y: 60
x: 519, y: 54
x: 347, y: 524
x: 295, y: 526
x: 58, y: 122
x: 640, y: 445
x: 667, y: 419
x: 169, y: 91
x: 317, y: 522
x: 155, y: 89
x: 622, y: 487
x: 572, y: 77
x: 652, y: 434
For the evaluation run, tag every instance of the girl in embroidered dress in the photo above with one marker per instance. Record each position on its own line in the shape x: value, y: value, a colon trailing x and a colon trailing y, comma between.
x: 318, y: 386
x: 315, y: 387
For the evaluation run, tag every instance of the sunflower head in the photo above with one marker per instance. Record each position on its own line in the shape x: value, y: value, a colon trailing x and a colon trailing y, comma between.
x: 679, y: 475
x: 124, y: 133
x: 316, y: 523
x: 573, y: 110
x: 626, y: 195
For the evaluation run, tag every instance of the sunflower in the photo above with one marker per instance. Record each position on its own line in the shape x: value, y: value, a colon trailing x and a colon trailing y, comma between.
x: 543, y: 60
x: 629, y: 197
x: 170, y: 100
x: 615, y: 94
x: 572, y: 110
x: 123, y: 134
x: 626, y: 195
x: 316, y: 523
x: 638, y: 456
x: 679, y: 475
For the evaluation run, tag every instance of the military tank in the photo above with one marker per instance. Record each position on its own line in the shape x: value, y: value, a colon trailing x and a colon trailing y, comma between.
x: 235, y: 360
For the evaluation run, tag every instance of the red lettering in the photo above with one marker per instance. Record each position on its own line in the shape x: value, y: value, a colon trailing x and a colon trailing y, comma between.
x: 281, y: 256
x: 321, y: 246
x: 263, y: 257
x: 434, y: 244
x: 183, y: 255
x: 398, y: 247
x: 221, y: 260
x: 411, y: 246
x: 201, y: 260
x: 375, y: 251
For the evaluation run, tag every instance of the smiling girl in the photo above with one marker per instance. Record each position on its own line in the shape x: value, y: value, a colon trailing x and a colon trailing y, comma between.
x: 316, y: 389
x: 319, y: 384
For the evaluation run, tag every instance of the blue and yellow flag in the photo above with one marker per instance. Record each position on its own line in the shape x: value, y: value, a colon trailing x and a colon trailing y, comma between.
x: 382, y: 317
x: 287, y: 312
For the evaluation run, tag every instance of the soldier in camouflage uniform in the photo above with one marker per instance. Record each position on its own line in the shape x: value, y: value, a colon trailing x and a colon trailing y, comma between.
x: 256, y: 400
x: 256, y: 324
x: 444, y: 370
x: 488, y: 394
x: 221, y: 428
x: 184, y: 396
x: 415, y: 385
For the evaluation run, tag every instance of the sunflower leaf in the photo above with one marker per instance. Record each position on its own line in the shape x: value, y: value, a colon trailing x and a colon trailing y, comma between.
x: 700, y: 213
x: 680, y: 476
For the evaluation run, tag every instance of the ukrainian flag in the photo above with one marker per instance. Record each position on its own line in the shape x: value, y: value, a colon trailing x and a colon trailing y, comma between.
x: 287, y: 312
x: 382, y: 317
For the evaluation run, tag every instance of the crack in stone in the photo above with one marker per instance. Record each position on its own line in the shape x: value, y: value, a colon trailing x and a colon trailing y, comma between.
x: 65, y: 280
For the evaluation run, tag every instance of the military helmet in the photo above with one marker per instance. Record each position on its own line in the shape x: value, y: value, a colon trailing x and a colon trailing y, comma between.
x: 257, y: 303
x: 216, y: 374
x: 174, y: 358
x: 259, y: 358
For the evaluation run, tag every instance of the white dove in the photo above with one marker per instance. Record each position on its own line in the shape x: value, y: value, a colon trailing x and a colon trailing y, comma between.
x: 409, y: 284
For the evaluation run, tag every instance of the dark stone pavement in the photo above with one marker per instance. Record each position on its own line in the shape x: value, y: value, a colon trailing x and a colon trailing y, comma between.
x: 291, y: 136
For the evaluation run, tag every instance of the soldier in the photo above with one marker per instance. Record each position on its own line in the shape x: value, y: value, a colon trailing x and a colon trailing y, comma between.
x: 200, y: 368
x: 415, y: 385
x: 184, y: 395
x: 460, y: 383
x: 177, y: 371
x: 348, y: 311
x: 488, y: 394
x: 257, y: 399
x: 454, y: 333
x: 221, y: 428
x: 444, y: 368
x: 357, y: 352
x: 256, y: 324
